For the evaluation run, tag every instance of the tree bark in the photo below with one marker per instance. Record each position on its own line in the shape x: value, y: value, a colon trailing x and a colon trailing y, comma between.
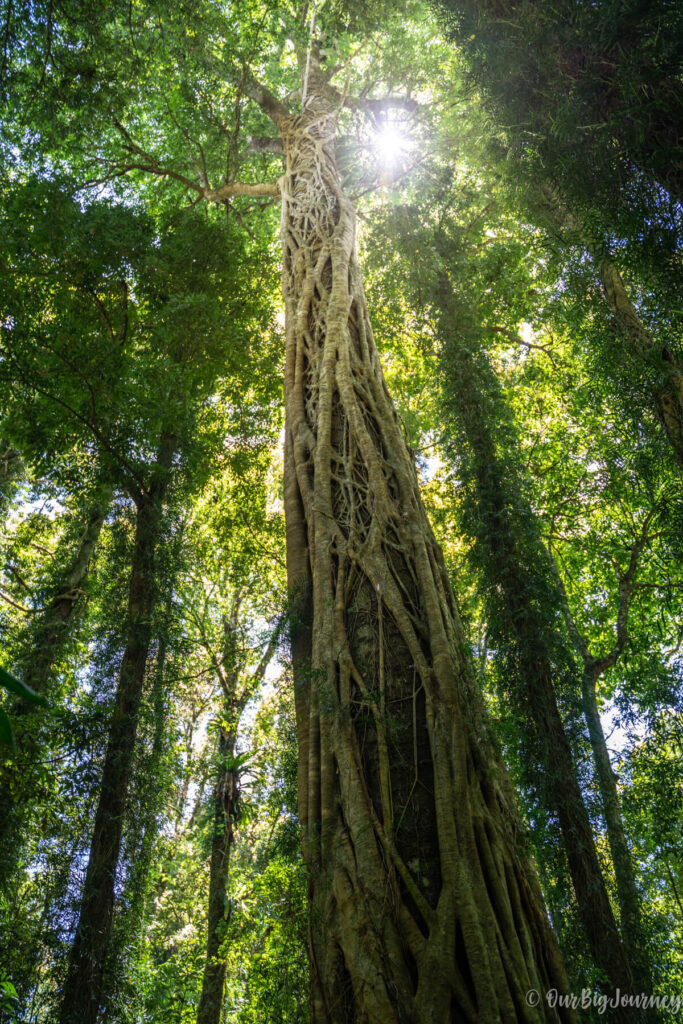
x: 519, y: 599
x: 238, y: 688
x: 422, y: 905
x: 629, y: 900
x: 83, y: 987
x: 226, y: 804
x: 128, y: 925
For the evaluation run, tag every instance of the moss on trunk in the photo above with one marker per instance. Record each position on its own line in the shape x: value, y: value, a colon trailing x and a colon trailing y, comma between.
x: 423, y: 904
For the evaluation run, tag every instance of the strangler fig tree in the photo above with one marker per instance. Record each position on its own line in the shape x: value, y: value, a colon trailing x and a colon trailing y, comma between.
x: 422, y: 904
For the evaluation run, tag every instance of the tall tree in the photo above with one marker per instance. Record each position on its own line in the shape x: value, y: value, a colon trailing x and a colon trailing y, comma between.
x: 522, y: 612
x: 397, y: 776
x: 378, y: 659
x: 540, y: 680
x: 83, y: 988
x: 423, y: 902
x: 49, y: 631
x: 238, y: 687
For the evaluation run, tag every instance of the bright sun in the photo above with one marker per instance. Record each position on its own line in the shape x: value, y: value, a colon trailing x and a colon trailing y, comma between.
x: 390, y: 144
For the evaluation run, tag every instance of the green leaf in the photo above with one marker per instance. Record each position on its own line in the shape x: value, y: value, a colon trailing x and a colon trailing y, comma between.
x: 21, y: 689
x: 6, y: 734
x: 234, y: 764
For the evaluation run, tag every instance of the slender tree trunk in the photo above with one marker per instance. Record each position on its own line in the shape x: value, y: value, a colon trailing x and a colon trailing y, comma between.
x: 54, y: 625
x: 519, y: 596
x: 83, y: 987
x: 667, y: 389
x: 629, y: 900
x: 665, y: 372
x: 11, y: 469
x: 50, y: 633
x: 226, y: 797
x: 238, y: 688
x: 674, y: 888
x: 128, y: 925
x: 422, y: 906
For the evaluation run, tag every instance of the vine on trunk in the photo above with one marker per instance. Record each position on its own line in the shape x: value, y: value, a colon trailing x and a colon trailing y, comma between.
x: 422, y: 906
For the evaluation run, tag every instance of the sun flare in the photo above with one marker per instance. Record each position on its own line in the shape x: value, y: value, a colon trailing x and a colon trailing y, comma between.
x: 391, y: 145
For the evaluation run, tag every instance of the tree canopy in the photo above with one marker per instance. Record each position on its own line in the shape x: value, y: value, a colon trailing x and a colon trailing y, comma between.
x: 357, y: 698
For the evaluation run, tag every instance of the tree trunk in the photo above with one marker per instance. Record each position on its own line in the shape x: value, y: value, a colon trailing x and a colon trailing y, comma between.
x: 238, y: 688
x: 128, y: 926
x: 83, y: 986
x: 667, y: 391
x: 53, y: 626
x: 11, y: 469
x: 50, y: 633
x: 422, y: 906
x: 226, y: 797
x: 627, y: 891
x: 520, y: 598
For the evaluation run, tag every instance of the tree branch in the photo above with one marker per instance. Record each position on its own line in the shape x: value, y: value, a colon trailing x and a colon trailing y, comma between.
x: 265, y: 144
x: 266, y: 100
x: 263, y: 664
x: 152, y: 165
x: 573, y: 630
x: 242, y: 188
x: 596, y: 665
x: 519, y: 341
x: 5, y: 597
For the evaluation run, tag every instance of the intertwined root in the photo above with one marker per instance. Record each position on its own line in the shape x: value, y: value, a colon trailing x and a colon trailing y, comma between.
x: 422, y: 910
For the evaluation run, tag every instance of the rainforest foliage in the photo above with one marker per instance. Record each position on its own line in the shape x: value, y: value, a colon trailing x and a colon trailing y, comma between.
x: 274, y: 661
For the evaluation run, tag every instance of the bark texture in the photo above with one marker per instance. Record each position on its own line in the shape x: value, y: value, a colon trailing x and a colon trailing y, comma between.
x: 422, y: 906
x: 128, y: 924
x: 83, y: 987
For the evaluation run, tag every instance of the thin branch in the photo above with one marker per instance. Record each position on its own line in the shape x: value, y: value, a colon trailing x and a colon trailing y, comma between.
x: 152, y: 165
x: 577, y: 639
x: 519, y: 341
x: 41, y: 547
x: 92, y: 295
x: 19, y: 578
x: 596, y: 665
x: 202, y: 173
x: 6, y: 597
x: 263, y: 664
